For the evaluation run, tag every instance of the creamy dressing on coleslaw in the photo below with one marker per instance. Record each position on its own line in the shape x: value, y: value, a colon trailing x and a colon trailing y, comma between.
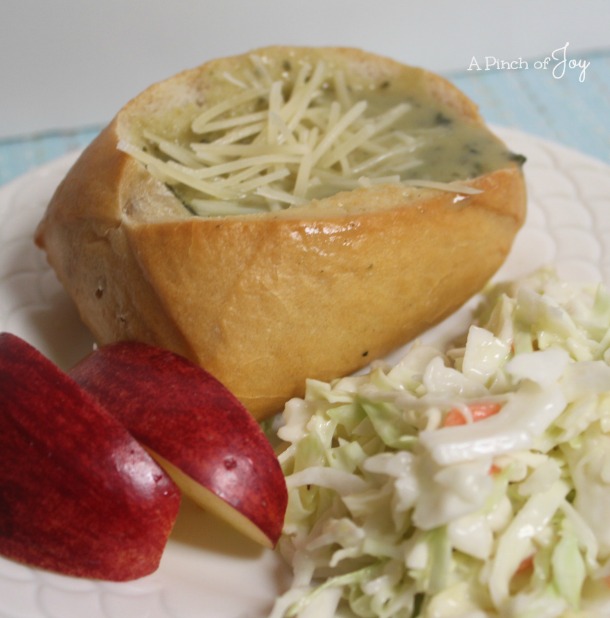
x: 465, y: 481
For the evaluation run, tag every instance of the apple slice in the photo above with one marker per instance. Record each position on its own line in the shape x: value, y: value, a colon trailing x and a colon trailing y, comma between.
x: 196, y: 429
x: 78, y: 495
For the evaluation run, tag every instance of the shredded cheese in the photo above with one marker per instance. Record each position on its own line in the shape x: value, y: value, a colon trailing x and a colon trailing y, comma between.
x: 278, y: 143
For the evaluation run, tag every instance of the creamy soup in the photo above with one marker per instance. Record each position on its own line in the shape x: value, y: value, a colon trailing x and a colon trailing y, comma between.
x: 283, y: 134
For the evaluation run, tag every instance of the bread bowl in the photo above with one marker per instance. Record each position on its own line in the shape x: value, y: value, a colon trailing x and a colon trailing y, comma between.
x: 343, y: 243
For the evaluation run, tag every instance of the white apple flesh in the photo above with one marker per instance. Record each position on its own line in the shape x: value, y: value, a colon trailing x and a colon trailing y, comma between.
x: 78, y: 494
x: 196, y: 429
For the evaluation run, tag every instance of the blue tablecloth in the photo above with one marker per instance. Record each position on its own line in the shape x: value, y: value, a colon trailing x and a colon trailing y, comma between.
x: 570, y: 107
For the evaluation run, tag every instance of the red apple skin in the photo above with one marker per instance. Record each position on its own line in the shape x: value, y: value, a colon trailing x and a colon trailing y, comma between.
x: 78, y: 495
x: 179, y: 411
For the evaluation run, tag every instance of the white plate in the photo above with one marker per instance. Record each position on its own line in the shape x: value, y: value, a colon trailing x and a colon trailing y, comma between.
x: 207, y: 570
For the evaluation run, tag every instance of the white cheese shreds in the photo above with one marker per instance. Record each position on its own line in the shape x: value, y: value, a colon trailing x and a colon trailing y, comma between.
x: 302, y: 137
x: 469, y: 480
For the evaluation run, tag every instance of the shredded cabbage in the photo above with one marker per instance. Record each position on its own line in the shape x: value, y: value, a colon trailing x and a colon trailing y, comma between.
x: 469, y: 481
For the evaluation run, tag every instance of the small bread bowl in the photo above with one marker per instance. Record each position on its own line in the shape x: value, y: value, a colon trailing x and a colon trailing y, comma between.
x: 341, y: 243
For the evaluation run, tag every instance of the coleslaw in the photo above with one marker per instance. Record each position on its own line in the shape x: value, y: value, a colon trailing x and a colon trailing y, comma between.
x: 469, y: 480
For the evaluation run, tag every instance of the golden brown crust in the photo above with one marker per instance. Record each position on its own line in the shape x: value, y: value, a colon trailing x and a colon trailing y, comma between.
x: 265, y: 301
